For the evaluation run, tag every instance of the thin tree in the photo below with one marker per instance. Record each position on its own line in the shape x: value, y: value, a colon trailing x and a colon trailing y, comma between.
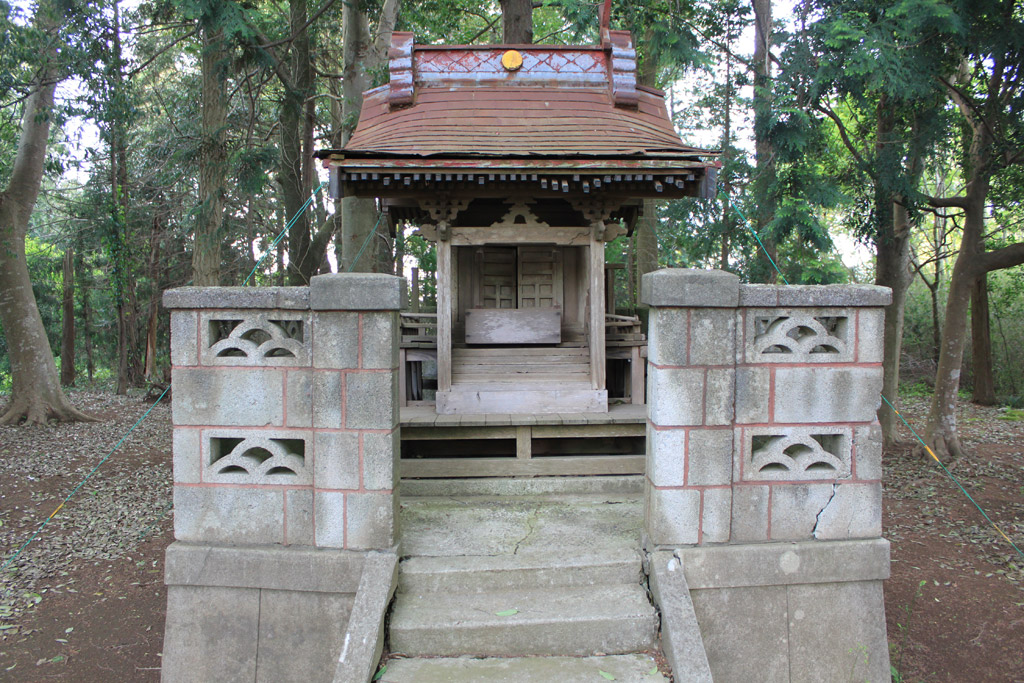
x: 988, y: 93
x: 36, y: 396
x: 363, y: 53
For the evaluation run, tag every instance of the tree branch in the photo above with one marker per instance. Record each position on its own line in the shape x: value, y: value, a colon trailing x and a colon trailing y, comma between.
x: 385, y: 27
x: 159, y: 52
x: 295, y: 34
x: 998, y: 259
x: 827, y: 111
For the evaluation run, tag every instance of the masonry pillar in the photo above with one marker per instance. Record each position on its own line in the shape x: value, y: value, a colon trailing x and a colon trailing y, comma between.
x: 285, y: 413
x: 764, y: 472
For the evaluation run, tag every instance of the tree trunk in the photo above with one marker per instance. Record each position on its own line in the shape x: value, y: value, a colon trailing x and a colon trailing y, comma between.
x: 149, y: 366
x: 361, y: 55
x: 293, y: 178
x: 764, y: 152
x: 213, y: 155
x: 36, y: 395
x: 83, y: 296
x: 67, y: 335
x: 941, y: 432
x: 984, y: 390
x: 892, y: 269
x: 645, y: 242
x: 892, y: 260
x: 517, y: 22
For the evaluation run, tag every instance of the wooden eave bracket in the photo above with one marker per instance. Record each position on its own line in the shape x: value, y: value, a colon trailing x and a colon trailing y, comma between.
x: 401, y: 91
x: 621, y: 68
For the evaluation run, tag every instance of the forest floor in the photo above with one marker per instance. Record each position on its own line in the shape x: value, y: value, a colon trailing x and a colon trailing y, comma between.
x: 84, y: 601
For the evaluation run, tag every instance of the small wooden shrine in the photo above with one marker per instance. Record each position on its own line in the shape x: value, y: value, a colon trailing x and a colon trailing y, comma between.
x: 520, y: 162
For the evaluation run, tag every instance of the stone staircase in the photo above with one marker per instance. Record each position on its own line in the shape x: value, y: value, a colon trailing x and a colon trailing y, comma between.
x: 526, y: 588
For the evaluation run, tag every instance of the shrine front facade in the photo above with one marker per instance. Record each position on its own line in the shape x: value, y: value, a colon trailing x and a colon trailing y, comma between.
x: 520, y: 164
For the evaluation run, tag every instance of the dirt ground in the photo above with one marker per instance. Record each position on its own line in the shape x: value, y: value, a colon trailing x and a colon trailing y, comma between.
x: 84, y: 601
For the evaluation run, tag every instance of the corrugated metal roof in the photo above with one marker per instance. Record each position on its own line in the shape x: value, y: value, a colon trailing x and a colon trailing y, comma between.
x: 516, y: 121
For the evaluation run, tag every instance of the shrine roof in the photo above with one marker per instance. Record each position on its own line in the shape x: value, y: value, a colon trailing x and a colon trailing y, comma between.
x: 516, y: 121
x: 561, y: 103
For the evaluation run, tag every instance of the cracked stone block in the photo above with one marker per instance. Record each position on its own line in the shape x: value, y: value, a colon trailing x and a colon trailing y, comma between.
x: 673, y: 516
x: 666, y: 456
x: 795, y: 509
x: 336, y: 460
x: 676, y: 396
x: 827, y: 394
x: 229, y: 397
x: 749, y: 514
x: 710, y: 456
x: 667, y: 336
x: 868, y: 447
x: 380, y: 336
x: 184, y: 338
x: 335, y: 340
x: 855, y: 511
x: 716, y: 515
x: 712, y: 336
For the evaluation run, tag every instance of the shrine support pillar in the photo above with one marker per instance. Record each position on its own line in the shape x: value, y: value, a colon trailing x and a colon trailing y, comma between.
x: 597, y: 309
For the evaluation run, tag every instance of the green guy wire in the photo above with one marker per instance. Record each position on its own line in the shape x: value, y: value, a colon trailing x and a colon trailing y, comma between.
x: 898, y: 414
x: 75, y: 490
x: 31, y: 538
x: 950, y: 475
x: 284, y: 232
x: 758, y: 238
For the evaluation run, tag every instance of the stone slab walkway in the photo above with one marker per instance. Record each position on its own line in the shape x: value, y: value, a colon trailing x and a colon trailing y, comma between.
x: 636, y: 668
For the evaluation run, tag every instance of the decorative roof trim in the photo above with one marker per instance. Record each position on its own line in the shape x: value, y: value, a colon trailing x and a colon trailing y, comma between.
x: 611, y: 64
x: 400, y: 66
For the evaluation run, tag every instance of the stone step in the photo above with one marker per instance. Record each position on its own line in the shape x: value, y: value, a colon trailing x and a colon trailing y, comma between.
x: 567, y: 620
x: 481, y: 574
x: 625, y: 668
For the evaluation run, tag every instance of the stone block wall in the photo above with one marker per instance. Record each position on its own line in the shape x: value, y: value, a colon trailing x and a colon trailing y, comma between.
x: 762, y: 403
x: 764, y: 472
x: 285, y: 413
